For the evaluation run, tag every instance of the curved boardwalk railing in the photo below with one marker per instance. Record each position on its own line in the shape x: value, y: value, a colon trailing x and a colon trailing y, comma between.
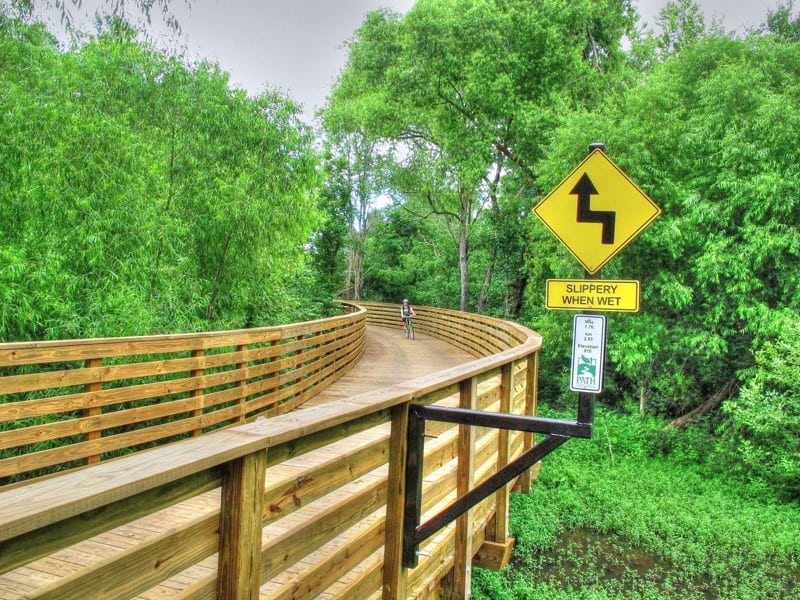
x: 292, y: 506
x: 68, y: 403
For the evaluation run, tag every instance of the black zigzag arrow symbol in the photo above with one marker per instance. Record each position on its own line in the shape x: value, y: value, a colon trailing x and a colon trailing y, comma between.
x: 584, y: 189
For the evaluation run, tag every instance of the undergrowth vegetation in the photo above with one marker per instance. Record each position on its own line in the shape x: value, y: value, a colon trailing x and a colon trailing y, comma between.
x: 616, y: 517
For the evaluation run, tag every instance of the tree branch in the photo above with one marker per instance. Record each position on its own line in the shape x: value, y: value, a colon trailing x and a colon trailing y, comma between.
x: 724, y: 393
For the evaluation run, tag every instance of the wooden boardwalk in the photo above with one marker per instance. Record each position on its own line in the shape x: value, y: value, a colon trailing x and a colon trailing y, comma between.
x: 389, y: 358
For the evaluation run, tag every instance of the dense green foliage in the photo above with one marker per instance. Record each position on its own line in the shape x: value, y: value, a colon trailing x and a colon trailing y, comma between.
x: 142, y: 195
x: 764, y: 420
x: 608, y: 518
x: 139, y: 194
x: 466, y: 90
x: 710, y: 135
x: 488, y: 104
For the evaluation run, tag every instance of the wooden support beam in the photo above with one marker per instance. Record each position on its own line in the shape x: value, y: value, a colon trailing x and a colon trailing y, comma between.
x: 465, y: 479
x: 500, y: 529
x: 95, y: 411
x: 241, y: 417
x: 493, y: 555
x: 239, y: 562
x: 531, y: 400
x: 395, y: 577
x: 198, y: 393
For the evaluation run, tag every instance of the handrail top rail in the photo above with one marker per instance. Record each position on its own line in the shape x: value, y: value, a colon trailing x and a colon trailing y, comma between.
x: 43, y: 502
x: 277, y: 331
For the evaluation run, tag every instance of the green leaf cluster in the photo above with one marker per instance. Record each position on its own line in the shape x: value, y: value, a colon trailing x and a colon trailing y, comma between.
x: 764, y: 426
x: 139, y: 194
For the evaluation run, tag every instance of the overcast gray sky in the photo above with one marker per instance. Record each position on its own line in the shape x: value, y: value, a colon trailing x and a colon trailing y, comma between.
x: 298, y: 46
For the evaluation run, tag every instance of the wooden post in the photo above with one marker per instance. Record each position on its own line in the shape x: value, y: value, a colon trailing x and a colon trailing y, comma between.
x: 95, y: 411
x: 395, y: 577
x: 503, y: 455
x: 198, y: 393
x: 495, y: 552
x: 240, y: 524
x: 242, y: 385
x: 270, y: 395
x: 531, y: 399
x: 459, y: 588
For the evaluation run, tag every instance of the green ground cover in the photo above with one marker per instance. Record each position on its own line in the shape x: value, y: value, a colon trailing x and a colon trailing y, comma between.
x: 613, y: 518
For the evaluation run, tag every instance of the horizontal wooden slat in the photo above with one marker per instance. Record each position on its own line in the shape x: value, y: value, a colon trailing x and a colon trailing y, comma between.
x: 192, y: 377
x: 24, y: 353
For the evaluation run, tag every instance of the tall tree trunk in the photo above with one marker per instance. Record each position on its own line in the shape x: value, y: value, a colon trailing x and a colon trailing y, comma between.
x: 358, y: 273
x: 347, y: 291
x: 358, y: 242
x: 489, y: 274
x: 463, y: 264
x: 642, y: 400
x: 487, y: 281
x: 518, y: 299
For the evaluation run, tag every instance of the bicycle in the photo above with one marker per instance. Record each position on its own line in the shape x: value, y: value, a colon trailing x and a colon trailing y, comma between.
x: 409, y: 328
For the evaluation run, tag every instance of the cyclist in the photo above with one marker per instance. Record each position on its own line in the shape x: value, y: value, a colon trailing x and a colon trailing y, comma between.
x: 406, y: 312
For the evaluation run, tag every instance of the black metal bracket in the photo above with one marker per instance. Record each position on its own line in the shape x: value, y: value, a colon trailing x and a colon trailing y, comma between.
x: 558, y: 431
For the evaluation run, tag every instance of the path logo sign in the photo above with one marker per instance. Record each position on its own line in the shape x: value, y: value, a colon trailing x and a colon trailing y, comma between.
x: 596, y: 211
x: 588, y: 353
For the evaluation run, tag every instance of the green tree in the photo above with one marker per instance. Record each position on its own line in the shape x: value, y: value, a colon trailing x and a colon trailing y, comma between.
x: 469, y: 89
x: 781, y: 23
x: 358, y: 179
x: 407, y: 257
x: 681, y: 24
x: 765, y: 417
x: 709, y: 134
x: 330, y: 241
x: 142, y: 195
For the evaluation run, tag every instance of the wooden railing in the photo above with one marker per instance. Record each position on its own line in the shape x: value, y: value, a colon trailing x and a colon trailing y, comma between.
x: 477, y: 334
x: 68, y: 403
x: 296, y: 504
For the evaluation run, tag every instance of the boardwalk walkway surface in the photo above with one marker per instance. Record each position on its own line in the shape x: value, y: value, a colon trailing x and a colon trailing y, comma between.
x: 389, y: 358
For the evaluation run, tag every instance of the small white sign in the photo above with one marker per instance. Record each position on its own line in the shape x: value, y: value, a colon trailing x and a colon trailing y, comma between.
x: 588, y: 353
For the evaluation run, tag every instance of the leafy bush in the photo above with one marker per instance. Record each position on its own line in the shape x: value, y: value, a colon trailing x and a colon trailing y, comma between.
x: 140, y: 194
x: 607, y: 520
x: 764, y: 427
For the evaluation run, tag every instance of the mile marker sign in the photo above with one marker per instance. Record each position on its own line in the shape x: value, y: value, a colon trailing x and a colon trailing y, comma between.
x: 596, y: 211
x: 588, y: 353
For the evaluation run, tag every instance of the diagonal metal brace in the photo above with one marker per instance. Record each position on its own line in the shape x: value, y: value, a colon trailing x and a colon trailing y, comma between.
x: 414, y: 532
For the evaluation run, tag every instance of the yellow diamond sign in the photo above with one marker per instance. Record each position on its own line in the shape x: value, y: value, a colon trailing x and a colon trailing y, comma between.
x: 596, y: 211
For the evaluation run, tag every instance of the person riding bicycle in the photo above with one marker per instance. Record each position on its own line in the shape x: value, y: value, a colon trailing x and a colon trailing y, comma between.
x: 406, y: 311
